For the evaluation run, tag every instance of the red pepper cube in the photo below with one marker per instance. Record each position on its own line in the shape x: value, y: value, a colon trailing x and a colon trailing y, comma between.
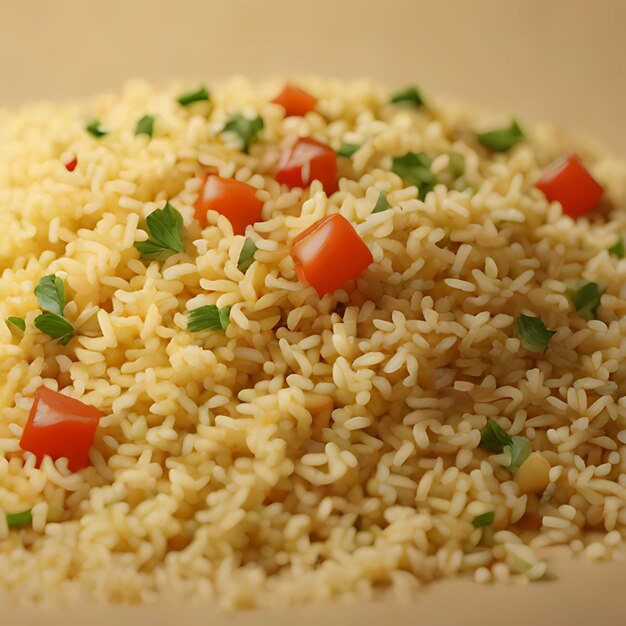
x: 232, y: 198
x: 70, y: 165
x: 329, y: 253
x: 295, y: 101
x: 59, y: 426
x: 306, y: 161
x: 573, y: 186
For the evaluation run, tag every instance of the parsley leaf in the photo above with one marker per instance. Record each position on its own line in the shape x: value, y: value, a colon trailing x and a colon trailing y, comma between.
x: 50, y: 294
x: 520, y: 450
x: 382, y: 204
x: 246, y: 256
x: 533, y: 333
x: 16, y: 325
x: 493, y: 437
x: 414, y: 168
x: 586, y: 298
x: 486, y: 519
x: 247, y: 130
x: 457, y: 164
x: 347, y: 149
x: 55, y: 326
x: 502, y: 139
x: 145, y: 126
x: 19, y: 519
x: 208, y: 317
x: 95, y: 128
x: 410, y: 95
x: 618, y: 248
x: 190, y: 97
x: 165, y: 232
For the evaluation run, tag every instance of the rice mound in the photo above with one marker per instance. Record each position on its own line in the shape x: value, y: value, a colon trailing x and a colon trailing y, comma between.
x: 317, y: 448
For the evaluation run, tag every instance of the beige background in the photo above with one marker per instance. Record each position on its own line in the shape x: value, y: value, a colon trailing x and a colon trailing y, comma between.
x: 558, y: 60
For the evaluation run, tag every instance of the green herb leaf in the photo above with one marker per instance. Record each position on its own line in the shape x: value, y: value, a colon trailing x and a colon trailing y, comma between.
x: 347, y: 149
x: 502, y: 139
x: 486, y: 519
x: 16, y: 325
x: 382, y: 204
x: 247, y: 130
x: 208, y: 317
x: 414, y: 168
x: 618, y: 248
x: 246, y: 256
x: 410, y: 95
x: 493, y: 437
x: 165, y: 232
x: 55, y: 326
x: 193, y: 96
x: 19, y: 519
x: 586, y: 298
x: 145, y: 126
x: 50, y: 294
x: 457, y: 164
x: 520, y: 449
x: 95, y: 128
x: 533, y: 333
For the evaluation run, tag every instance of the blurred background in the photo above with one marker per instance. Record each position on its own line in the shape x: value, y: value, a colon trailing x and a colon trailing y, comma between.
x: 555, y: 60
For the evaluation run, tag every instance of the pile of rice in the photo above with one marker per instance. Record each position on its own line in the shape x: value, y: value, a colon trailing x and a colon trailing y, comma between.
x: 317, y: 449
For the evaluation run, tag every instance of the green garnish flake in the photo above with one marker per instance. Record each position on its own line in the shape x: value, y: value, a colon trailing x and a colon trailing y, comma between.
x: 502, y: 139
x: 456, y: 165
x: 414, y: 168
x: 193, y: 96
x: 520, y: 450
x: 533, y: 333
x: 248, y: 130
x: 19, y: 519
x: 55, y: 326
x: 165, y: 234
x: 16, y: 325
x: 410, y: 95
x: 586, y: 298
x: 145, y: 126
x: 618, y: 248
x: 50, y: 294
x: 209, y: 317
x: 347, y: 149
x: 246, y: 256
x: 493, y: 437
x: 486, y: 519
x: 382, y: 204
x: 95, y: 128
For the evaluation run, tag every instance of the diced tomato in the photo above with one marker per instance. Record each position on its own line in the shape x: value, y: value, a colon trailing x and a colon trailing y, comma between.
x: 232, y: 198
x: 573, y: 186
x: 306, y: 161
x: 329, y: 253
x: 59, y: 426
x: 295, y: 101
x: 70, y: 166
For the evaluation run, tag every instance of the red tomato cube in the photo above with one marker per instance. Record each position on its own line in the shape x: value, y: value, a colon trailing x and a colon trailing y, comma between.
x: 306, y: 161
x: 59, y: 426
x: 295, y: 101
x: 329, y: 253
x: 232, y: 198
x: 573, y: 186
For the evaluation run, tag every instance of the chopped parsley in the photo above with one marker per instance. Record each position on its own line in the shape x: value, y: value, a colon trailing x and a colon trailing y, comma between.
x: 586, y: 298
x: 410, y: 95
x: 502, y: 139
x: 414, y: 168
x: 16, y: 325
x: 50, y: 294
x: 246, y: 256
x: 456, y: 165
x: 533, y: 333
x: 165, y: 234
x: 95, y: 129
x: 248, y: 130
x: 617, y: 249
x: 347, y: 149
x: 190, y: 97
x: 55, y: 326
x: 209, y: 317
x: 493, y: 437
x: 520, y: 450
x: 19, y: 519
x: 382, y: 204
x: 486, y: 519
x: 145, y: 126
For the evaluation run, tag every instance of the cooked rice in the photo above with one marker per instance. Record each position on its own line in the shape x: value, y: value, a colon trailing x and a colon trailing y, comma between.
x: 317, y: 448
